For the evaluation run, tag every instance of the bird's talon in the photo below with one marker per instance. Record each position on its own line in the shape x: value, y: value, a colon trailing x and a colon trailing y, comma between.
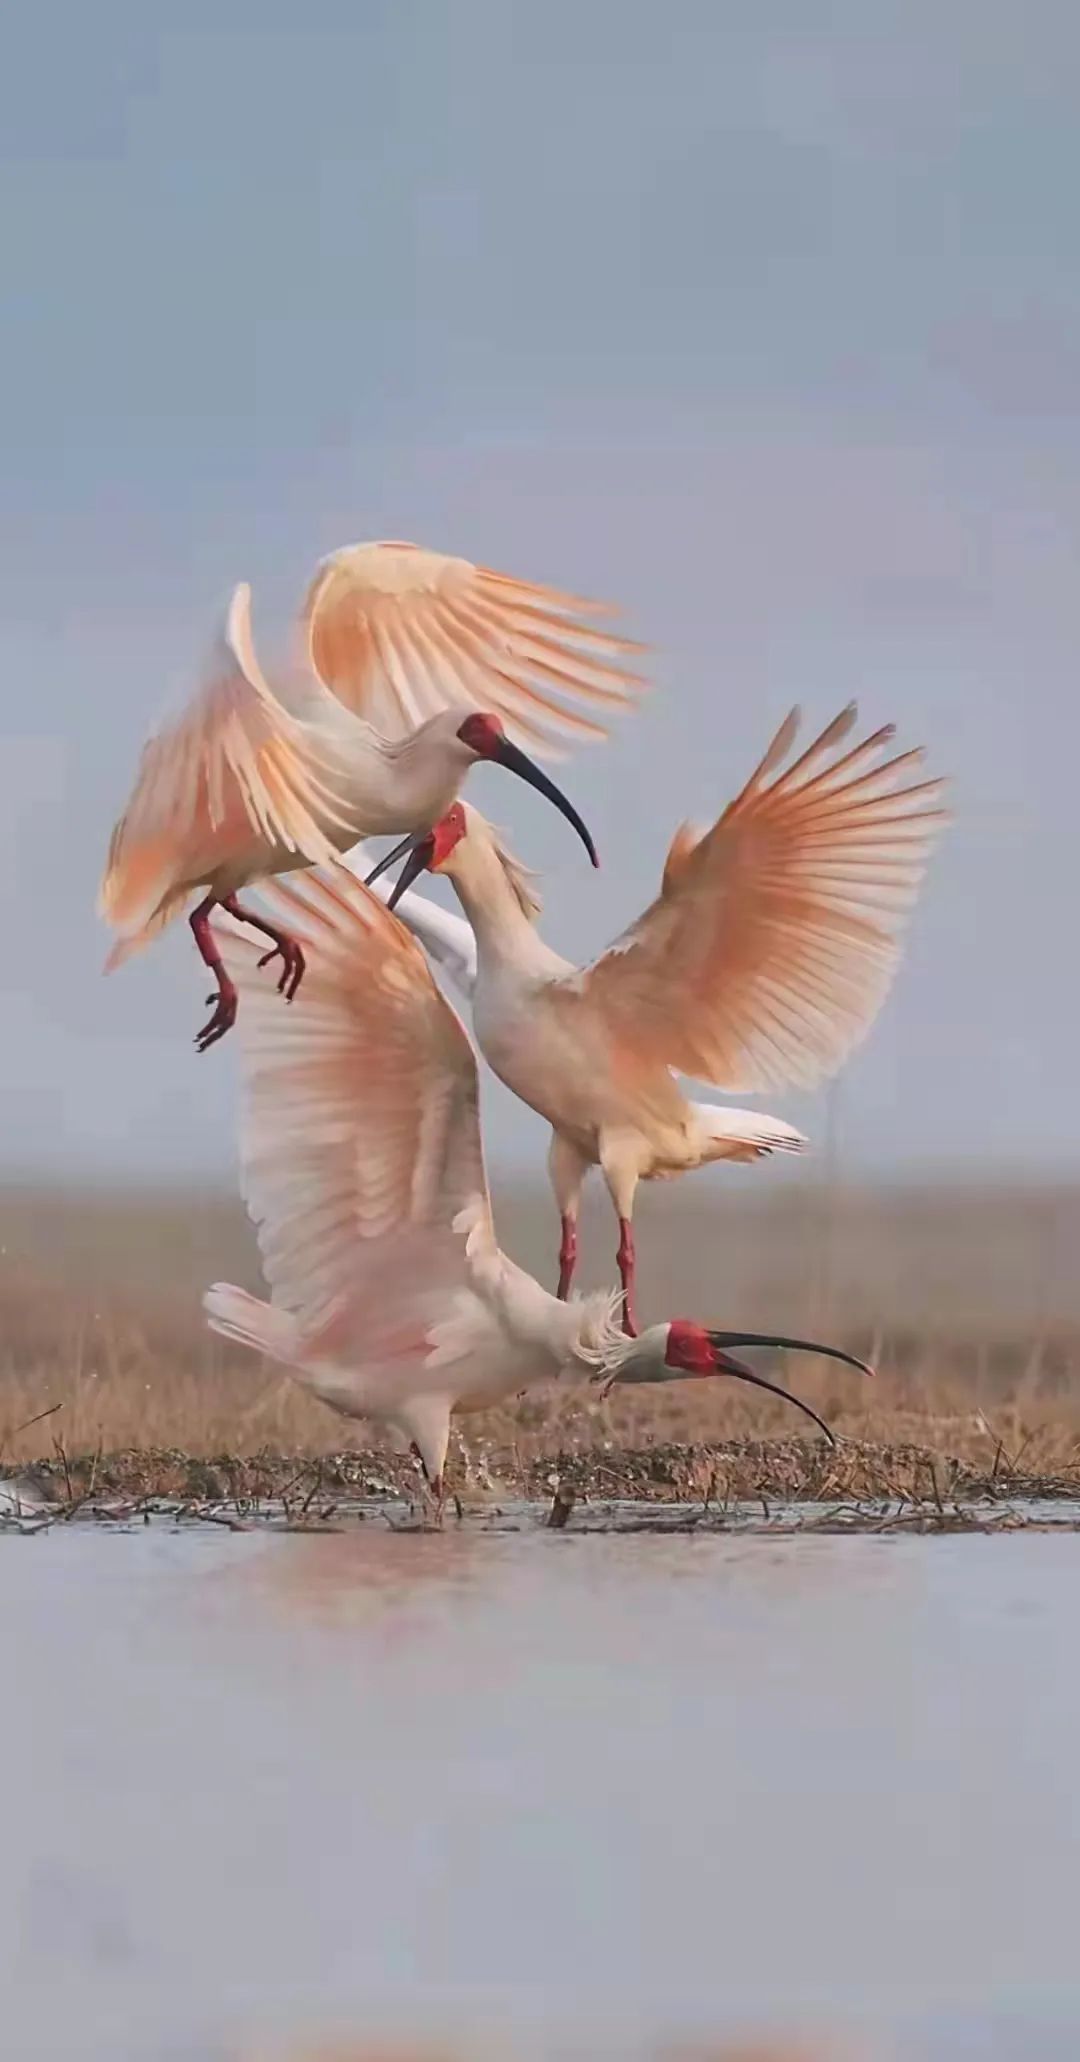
x: 223, y: 1019
x: 292, y: 966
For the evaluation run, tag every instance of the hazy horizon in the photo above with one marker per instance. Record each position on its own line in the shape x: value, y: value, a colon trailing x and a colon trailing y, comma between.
x: 771, y: 337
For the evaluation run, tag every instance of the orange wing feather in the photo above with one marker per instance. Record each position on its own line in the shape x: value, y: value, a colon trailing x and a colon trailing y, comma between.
x: 360, y: 1134
x: 774, y: 940
x: 399, y: 634
x: 235, y: 770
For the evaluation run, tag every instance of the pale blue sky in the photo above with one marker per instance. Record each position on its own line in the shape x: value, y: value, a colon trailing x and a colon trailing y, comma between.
x: 763, y: 319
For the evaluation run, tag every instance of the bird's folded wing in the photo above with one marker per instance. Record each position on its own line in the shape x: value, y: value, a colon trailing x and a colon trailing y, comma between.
x: 400, y: 634
x: 773, y: 941
x: 447, y: 939
x: 235, y: 762
x: 360, y: 1137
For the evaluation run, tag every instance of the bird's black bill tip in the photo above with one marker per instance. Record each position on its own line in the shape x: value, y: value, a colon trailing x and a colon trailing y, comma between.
x: 777, y: 1340
x: 391, y: 858
x: 419, y: 858
x: 516, y: 761
x: 416, y: 850
x: 728, y: 1365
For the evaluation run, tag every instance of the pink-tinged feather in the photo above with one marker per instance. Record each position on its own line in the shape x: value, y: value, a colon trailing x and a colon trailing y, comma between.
x: 776, y: 934
x: 235, y: 776
x: 360, y: 1132
x: 486, y: 640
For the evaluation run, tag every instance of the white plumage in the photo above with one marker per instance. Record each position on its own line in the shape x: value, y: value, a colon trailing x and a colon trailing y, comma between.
x: 420, y: 665
x: 363, y: 1171
x: 763, y: 961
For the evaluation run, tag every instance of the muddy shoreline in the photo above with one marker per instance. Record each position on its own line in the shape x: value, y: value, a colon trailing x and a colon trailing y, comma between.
x: 896, y: 1483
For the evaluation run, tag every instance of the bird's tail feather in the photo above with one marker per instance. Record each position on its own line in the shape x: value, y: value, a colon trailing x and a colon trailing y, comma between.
x: 745, y: 1134
x: 251, y: 1322
x: 125, y: 948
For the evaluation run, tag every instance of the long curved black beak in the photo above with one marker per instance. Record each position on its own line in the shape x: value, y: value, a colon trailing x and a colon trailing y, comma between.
x: 506, y: 754
x: 722, y: 1339
x: 728, y: 1365
x: 420, y: 846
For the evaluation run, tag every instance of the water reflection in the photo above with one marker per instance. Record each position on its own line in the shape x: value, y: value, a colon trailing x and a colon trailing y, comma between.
x: 372, y: 1576
x: 396, y: 1583
x: 264, y: 1785
x: 356, y: 2051
x: 770, y: 2050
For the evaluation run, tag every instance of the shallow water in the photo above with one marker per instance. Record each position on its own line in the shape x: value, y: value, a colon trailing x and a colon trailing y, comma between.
x: 538, y: 1794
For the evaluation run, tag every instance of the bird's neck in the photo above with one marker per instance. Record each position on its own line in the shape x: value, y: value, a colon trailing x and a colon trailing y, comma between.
x: 585, y: 1339
x: 571, y: 1337
x: 505, y: 935
x: 624, y: 1359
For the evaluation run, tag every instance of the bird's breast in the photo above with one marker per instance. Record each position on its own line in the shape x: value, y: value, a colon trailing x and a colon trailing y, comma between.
x: 541, y: 1053
x: 391, y: 796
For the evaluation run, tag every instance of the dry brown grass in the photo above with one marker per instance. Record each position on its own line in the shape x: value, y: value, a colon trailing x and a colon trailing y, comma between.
x: 967, y: 1301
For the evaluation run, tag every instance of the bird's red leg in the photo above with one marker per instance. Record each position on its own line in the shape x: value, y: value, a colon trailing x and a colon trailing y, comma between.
x: 567, y: 1257
x: 292, y: 958
x: 224, y: 996
x: 627, y: 1262
x: 436, y: 1486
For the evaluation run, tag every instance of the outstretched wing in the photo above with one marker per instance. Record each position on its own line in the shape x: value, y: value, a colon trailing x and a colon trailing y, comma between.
x: 401, y: 634
x: 235, y: 766
x: 360, y: 1135
x: 775, y: 937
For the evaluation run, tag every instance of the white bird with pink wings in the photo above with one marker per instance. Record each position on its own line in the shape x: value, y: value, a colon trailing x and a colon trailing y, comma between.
x: 363, y: 1169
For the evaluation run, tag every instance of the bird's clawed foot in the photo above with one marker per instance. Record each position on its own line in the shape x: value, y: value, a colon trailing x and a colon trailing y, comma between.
x: 292, y: 958
x: 293, y: 964
x: 224, y: 1017
x: 435, y: 1488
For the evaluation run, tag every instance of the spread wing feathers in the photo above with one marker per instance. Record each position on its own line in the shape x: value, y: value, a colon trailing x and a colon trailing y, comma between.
x: 401, y: 634
x: 234, y: 764
x: 360, y: 1136
x: 772, y: 944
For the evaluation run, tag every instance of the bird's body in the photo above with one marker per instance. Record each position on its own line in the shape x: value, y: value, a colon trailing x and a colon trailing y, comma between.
x: 539, y: 1036
x: 559, y: 1059
x: 495, y: 1335
x: 763, y: 961
x: 607, y: 1105
x: 246, y: 784
x: 363, y: 1170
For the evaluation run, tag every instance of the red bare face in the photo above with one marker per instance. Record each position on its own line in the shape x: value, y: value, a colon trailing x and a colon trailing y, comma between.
x: 447, y: 833
x: 483, y: 734
x: 689, y: 1348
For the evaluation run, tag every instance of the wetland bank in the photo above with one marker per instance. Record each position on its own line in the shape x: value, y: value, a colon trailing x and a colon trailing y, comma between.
x: 967, y: 1301
x: 289, y: 1765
